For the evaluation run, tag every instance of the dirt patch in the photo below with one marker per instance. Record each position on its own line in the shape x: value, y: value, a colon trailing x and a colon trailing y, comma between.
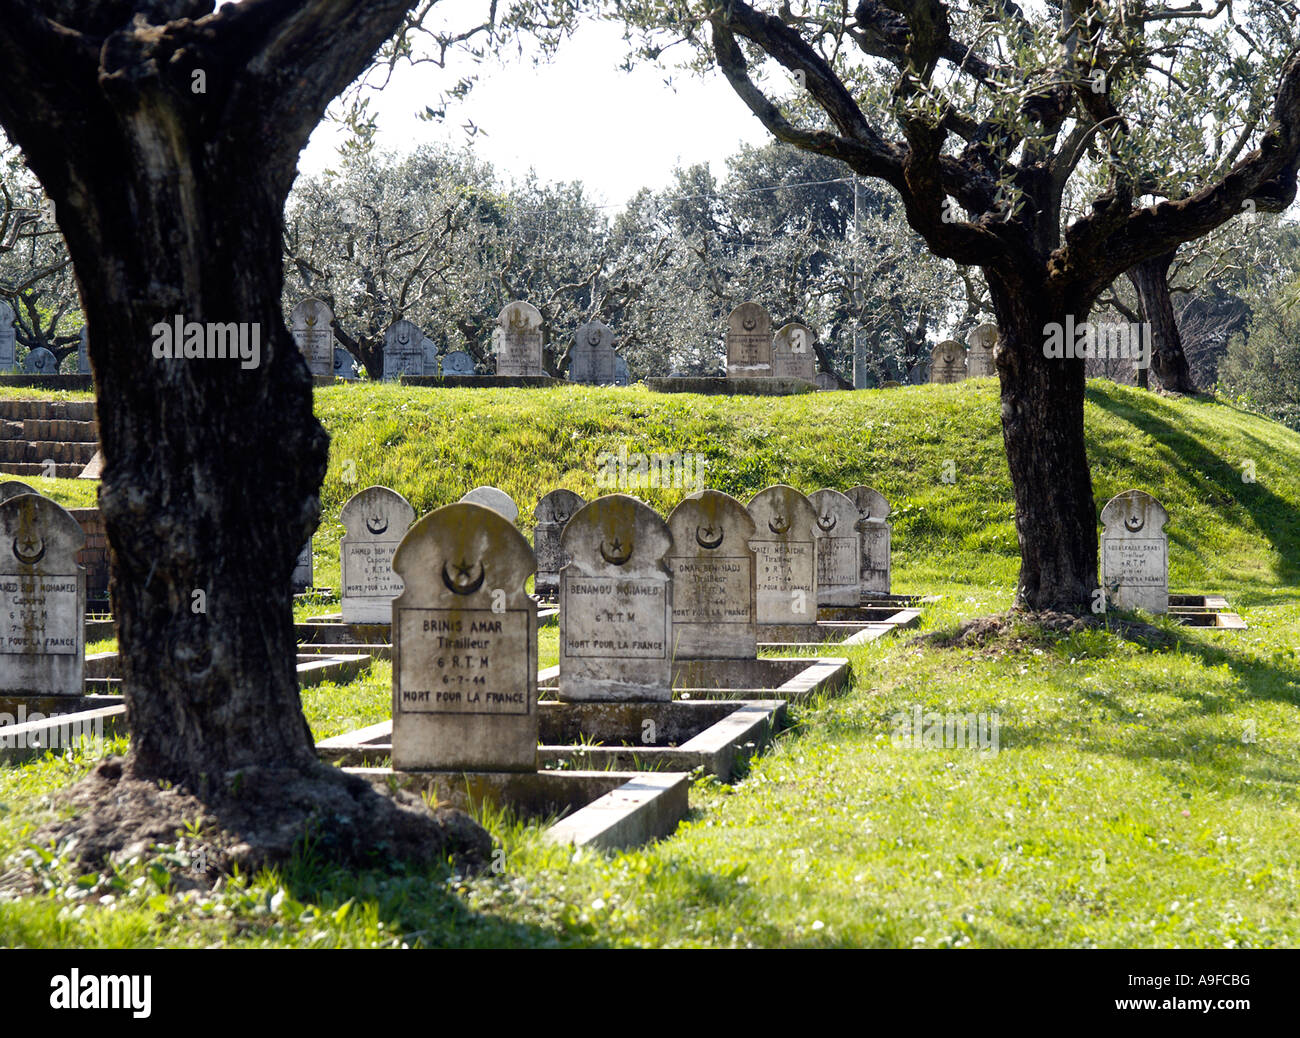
x: 1016, y: 630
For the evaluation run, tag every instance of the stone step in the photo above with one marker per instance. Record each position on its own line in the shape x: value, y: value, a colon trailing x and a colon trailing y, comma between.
x: 38, y: 451
x: 59, y: 429
x: 48, y: 410
x: 27, y: 468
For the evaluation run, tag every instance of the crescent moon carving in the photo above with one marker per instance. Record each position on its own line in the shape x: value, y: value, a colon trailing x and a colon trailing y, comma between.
x: 827, y: 522
x: 778, y: 524
x: 464, y: 582
x: 749, y: 323
x: 376, y: 524
x: 703, y: 539
x: 403, y: 338
x: 616, y: 554
x: 35, y: 550
x: 1134, y: 523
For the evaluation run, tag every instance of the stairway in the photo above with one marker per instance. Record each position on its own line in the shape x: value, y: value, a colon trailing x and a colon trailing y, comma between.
x: 47, y: 437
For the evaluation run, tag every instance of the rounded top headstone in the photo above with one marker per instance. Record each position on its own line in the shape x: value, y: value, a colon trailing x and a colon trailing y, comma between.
x: 782, y: 511
x: 311, y: 313
x: 375, y: 511
x: 494, y: 498
x: 14, y: 487
x: 983, y: 336
x: 837, y: 515
x: 38, y: 536
x: 40, y: 361
x: 460, y: 554
x: 457, y: 362
x: 871, y: 504
x: 712, y: 521
x: 617, y: 533
x: 520, y: 315
x: 1134, y: 511
x: 558, y: 506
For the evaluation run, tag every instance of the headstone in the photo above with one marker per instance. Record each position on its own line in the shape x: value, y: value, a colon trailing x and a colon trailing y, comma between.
x: 875, y: 536
x: 457, y: 362
x: 345, y: 365
x: 430, y: 357
x: 464, y: 645
x: 40, y: 361
x: 1135, y: 552
x: 749, y: 342
x: 517, y: 340
x: 42, y: 598
x: 712, y: 567
x: 793, y: 355
x: 376, y: 520
x: 839, y: 549
x: 979, y: 358
x: 83, y: 353
x: 304, y: 576
x: 312, y: 325
x: 8, y: 337
x: 497, y: 500
x: 616, y: 603
x: 591, y: 361
x: 948, y: 362
x: 13, y: 487
x: 622, y: 377
x: 552, y: 514
x: 403, y: 350
x: 785, y: 543
x: 825, y: 380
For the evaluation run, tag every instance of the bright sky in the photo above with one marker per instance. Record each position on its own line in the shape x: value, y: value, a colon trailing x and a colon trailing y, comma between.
x: 577, y: 118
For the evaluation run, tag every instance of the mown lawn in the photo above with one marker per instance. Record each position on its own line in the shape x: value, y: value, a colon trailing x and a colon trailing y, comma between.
x: 1140, y: 794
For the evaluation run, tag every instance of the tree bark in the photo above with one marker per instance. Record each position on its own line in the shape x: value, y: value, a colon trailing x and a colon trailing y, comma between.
x: 1150, y: 280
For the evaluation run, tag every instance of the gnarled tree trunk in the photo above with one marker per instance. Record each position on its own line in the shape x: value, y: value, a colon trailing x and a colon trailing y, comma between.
x: 1150, y: 280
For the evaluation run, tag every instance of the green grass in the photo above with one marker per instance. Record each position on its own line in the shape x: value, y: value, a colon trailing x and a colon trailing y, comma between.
x: 1141, y: 795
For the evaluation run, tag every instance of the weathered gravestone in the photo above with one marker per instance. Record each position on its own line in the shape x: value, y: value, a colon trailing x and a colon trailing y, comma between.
x: 749, y: 342
x: 622, y: 377
x: 345, y: 365
x: 1135, y: 552
x: 464, y: 645
x: 875, y: 538
x: 458, y: 363
x: 497, y: 500
x: 825, y: 380
x: 83, y: 353
x: 591, y: 360
x: 616, y: 603
x: 376, y: 519
x: 517, y: 340
x: 304, y: 576
x: 312, y: 325
x: 552, y: 514
x: 42, y: 598
x: 430, y: 358
x: 948, y: 362
x: 40, y: 361
x: 713, y: 573
x: 839, y: 549
x: 793, y: 355
x: 13, y: 487
x: 403, y: 350
x: 979, y: 359
x: 785, y: 543
x: 8, y: 337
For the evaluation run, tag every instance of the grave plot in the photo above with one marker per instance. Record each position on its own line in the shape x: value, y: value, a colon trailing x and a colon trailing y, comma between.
x: 1205, y: 611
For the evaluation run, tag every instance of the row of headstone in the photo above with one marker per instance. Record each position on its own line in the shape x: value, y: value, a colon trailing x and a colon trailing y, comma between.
x: 950, y: 361
x: 753, y: 351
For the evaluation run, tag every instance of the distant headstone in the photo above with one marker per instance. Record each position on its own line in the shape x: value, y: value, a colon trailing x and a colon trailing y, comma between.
x: 497, y: 500
x: 304, y: 576
x: 793, y: 355
x: 430, y: 357
x: 948, y: 362
x: 622, y: 377
x: 42, y: 598
x: 312, y: 324
x: 714, y: 585
x: 464, y: 645
x: 40, y: 361
x: 785, y: 541
x: 825, y: 380
x: 1135, y: 552
x: 13, y: 487
x: 979, y: 358
x: 616, y: 603
x: 517, y: 340
x: 457, y: 362
x: 875, y: 536
x: 83, y: 353
x: 403, y: 350
x: 8, y: 337
x: 591, y: 360
x: 376, y: 520
x: 345, y: 365
x: 749, y: 342
x: 839, y: 549
x: 552, y: 514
